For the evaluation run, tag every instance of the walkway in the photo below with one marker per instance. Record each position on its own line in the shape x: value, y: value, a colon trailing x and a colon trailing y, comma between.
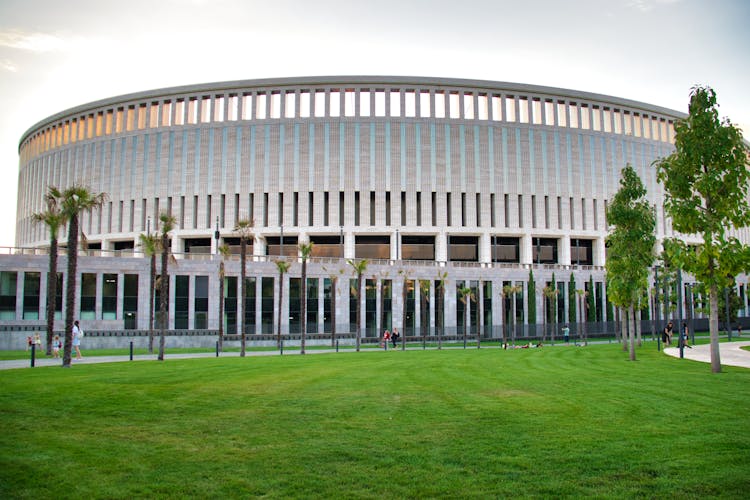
x: 729, y: 353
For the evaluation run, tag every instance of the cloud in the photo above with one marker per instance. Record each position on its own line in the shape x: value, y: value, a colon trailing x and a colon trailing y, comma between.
x: 32, y: 42
x: 8, y: 65
x: 649, y: 5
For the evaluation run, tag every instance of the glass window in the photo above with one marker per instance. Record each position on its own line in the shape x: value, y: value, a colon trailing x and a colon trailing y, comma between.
x: 31, y: 288
x: 596, y: 119
x: 88, y: 296
x: 607, y: 120
x: 130, y: 301
x: 549, y: 113
x: 247, y: 106
x: 647, y: 127
x: 201, y: 302
x: 497, y: 109
x: 380, y: 102
x: 219, y: 108
x: 109, y: 296
x: 573, y: 113
x: 267, y: 298
x: 205, y: 109
x: 8, y: 283
x: 153, y: 115
x: 249, y: 309
x: 637, y: 124
x: 232, y: 105
x: 260, y: 106
x: 166, y: 114
x: 179, y: 112
x: 617, y: 119
x: 130, y: 122
x: 181, y: 302
x: 585, y: 117
x: 562, y: 119
x: 192, y: 111
x: 536, y: 111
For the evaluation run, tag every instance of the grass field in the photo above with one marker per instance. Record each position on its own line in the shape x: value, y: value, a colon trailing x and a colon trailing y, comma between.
x: 551, y: 422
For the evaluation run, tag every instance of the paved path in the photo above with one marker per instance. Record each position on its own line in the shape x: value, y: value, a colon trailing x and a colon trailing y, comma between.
x: 729, y: 353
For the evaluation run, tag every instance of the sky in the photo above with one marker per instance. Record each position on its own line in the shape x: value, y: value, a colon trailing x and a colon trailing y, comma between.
x: 57, y: 55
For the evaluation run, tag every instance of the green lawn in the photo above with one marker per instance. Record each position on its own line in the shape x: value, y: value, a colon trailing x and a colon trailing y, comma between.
x: 551, y: 422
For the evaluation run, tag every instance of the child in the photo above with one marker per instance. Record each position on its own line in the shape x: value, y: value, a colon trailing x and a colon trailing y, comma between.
x: 56, y: 345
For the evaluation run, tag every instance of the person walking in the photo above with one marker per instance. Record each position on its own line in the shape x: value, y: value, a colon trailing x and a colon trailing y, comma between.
x: 56, y: 345
x: 386, y: 339
x: 685, y: 336
x: 77, y: 335
x: 566, y: 333
x: 394, y: 337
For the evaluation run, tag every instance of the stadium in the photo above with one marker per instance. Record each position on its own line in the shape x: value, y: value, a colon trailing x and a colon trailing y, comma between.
x: 440, y: 184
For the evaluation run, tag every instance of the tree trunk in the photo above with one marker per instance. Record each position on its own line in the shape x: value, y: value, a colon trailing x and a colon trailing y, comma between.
x: 278, y: 322
x: 631, y: 331
x: 303, y: 306
x: 70, y: 290
x: 151, y: 293
x: 243, y: 293
x: 359, y: 309
x: 51, y: 293
x: 628, y: 330
x: 164, y: 292
x: 713, y: 325
x: 221, y: 306
x: 334, y: 280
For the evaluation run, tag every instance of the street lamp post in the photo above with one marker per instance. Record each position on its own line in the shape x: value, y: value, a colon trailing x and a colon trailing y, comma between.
x: 216, y: 234
x: 281, y: 240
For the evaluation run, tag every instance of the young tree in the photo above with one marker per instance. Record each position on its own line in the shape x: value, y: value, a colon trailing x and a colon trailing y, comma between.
x: 440, y: 306
x: 150, y: 244
x: 572, y: 313
x: 630, y: 244
x: 74, y: 201
x: 706, y: 193
x: 244, y: 227
x: 508, y: 293
x: 531, y: 299
x: 591, y: 301
x: 54, y: 219
x: 466, y: 296
x: 359, y: 267
x: 305, y: 249
x: 224, y: 253
x: 283, y: 267
x: 167, y: 224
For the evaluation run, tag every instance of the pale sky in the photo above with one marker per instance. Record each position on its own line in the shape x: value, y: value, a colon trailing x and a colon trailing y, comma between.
x: 56, y: 55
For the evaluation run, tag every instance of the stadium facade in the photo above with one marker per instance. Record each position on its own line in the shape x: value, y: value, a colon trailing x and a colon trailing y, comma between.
x: 437, y: 182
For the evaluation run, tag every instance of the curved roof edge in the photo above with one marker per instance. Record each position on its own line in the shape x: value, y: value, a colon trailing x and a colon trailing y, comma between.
x: 355, y: 80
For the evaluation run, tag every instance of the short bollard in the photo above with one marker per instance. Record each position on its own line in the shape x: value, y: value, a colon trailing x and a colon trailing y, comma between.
x: 131, y: 350
x: 217, y: 348
x: 33, y: 354
x: 424, y: 343
x: 337, y: 346
x: 281, y: 347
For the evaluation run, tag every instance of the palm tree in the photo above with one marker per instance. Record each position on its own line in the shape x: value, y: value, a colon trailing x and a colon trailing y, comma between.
x: 424, y: 289
x: 151, y: 244
x: 244, y: 227
x: 283, y: 267
x: 359, y: 268
x: 466, y: 296
x: 53, y: 218
x: 305, y: 249
x: 73, y: 201
x: 440, y: 305
x: 509, y: 292
x: 223, y: 252
x: 404, y: 299
x: 550, y: 294
x: 167, y: 224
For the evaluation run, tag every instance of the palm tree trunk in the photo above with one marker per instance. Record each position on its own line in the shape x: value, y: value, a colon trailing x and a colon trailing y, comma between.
x: 70, y: 291
x: 151, y: 305
x: 281, y: 298
x: 243, y: 293
x: 303, y: 306
x: 359, y: 310
x: 221, y: 306
x: 164, y: 292
x: 334, y: 280
x: 51, y: 293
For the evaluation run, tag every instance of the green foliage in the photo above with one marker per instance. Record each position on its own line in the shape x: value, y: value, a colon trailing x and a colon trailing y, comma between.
x: 531, y: 298
x: 706, y: 182
x: 328, y: 426
x: 630, y: 241
x: 572, y: 301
